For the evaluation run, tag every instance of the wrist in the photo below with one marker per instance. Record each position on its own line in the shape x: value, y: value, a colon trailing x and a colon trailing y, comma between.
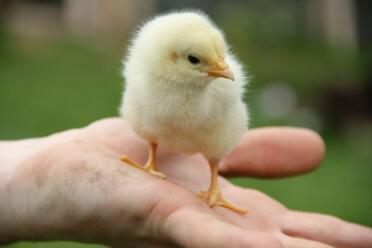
x: 13, y: 152
x: 4, y: 206
x: 12, y: 156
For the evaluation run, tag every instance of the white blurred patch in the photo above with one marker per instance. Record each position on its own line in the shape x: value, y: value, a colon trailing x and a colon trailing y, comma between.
x: 277, y: 100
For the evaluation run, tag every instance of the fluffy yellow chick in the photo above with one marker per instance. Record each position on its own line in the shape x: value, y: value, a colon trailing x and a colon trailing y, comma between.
x: 184, y: 90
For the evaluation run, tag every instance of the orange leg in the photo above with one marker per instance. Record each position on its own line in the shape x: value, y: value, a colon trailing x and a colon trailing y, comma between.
x: 150, y: 166
x: 214, y: 197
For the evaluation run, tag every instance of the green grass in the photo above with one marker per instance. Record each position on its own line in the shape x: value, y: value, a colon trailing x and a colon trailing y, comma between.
x: 50, y: 86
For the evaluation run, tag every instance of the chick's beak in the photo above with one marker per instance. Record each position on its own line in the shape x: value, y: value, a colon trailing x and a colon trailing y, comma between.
x: 221, y: 69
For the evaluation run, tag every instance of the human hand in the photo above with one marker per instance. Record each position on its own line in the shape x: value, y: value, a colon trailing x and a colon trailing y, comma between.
x: 73, y: 186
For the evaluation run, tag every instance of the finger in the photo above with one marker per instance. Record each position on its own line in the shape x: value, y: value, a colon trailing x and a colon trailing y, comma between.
x: 191, y: 228
x: 289, y: 242
x: 275, y: 152
x: 327, y: 229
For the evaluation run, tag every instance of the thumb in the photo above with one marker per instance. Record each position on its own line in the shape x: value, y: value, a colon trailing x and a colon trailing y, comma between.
x: 274, y: 152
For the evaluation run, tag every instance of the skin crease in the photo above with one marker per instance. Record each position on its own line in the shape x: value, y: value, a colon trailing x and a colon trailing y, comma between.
x: 72, y: 186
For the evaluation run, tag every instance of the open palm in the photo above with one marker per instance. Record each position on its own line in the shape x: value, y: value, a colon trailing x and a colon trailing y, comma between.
x: 90, y: 196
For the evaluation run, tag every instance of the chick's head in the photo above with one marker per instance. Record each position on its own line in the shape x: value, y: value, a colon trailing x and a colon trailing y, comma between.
x: 182, y: 48
x: 199, y: 54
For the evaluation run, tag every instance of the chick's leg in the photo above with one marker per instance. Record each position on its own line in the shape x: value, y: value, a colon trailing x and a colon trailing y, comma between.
x: 150, y: 165
x: 213, y: 196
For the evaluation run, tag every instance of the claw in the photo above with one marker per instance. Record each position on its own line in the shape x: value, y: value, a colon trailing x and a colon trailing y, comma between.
x: 150, y: 166
x: 215, y: 198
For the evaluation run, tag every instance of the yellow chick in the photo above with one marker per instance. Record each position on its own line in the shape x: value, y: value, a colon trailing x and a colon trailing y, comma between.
x: 184, y: 91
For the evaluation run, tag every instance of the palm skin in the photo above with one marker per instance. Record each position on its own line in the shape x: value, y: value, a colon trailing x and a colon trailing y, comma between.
x: 96, y: 198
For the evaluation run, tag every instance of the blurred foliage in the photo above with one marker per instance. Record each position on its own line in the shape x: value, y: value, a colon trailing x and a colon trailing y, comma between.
x: 274, y: 42
x: 276, y: 47
x: 51, y: 85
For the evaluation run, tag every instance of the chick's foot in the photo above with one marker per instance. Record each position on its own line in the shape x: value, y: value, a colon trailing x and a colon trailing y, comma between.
x: 149, y: 167
x: 213, y: 197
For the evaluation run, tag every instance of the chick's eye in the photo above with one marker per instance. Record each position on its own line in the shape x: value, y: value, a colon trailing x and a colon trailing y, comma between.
x: 193, y: 60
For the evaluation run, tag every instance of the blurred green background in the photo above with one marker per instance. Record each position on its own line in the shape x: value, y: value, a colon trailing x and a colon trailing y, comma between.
x: 309, y: 61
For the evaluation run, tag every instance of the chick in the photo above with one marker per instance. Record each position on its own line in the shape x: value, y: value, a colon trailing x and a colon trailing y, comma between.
x: 184, y: 90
